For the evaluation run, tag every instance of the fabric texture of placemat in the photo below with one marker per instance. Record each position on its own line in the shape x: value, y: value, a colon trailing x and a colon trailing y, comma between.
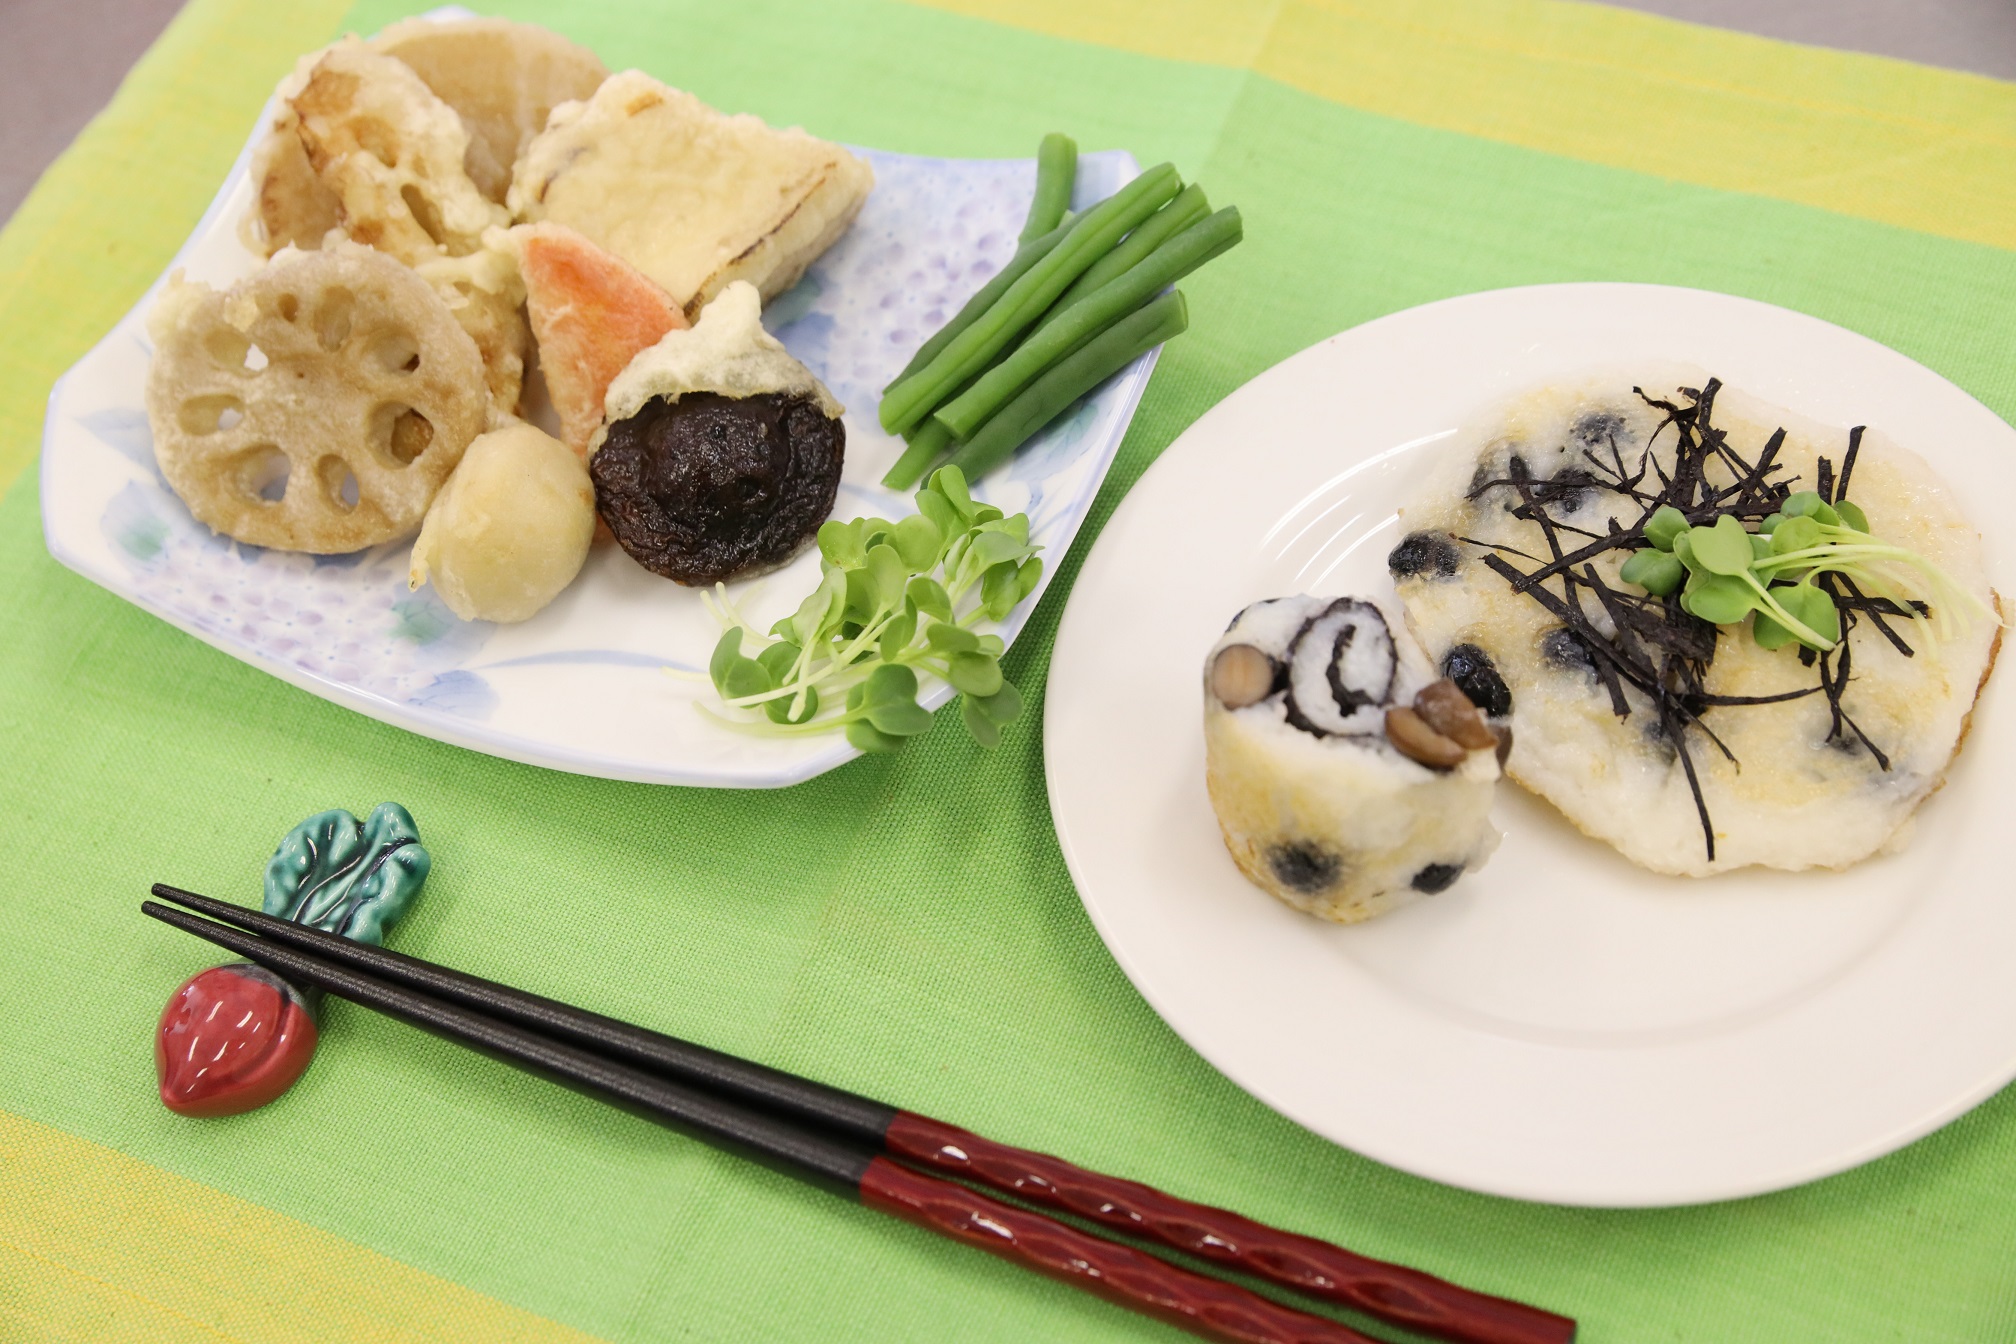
x: 204, y: 1264
x: 903, y: 926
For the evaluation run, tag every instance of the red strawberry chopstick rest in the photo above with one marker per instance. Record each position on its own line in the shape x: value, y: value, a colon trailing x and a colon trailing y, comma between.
x: 235, y: 1037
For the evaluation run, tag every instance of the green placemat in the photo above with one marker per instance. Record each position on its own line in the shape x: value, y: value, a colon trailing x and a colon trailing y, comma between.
x: 904, y: 926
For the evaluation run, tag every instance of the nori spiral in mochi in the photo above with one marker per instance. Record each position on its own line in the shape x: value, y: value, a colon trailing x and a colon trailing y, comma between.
x: 707, y: 487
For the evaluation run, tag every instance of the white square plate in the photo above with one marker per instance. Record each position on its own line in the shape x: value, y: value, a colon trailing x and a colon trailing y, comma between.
x: 581, y: 686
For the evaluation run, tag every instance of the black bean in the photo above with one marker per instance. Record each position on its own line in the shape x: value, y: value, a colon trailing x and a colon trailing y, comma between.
x: 1472, y: 669
x: 1436, y: 877
x: 1597, y: 427
x: 1432, y: 554
x: 1303, y: 867
x: 1568, y: 650
x: 1659, y: 742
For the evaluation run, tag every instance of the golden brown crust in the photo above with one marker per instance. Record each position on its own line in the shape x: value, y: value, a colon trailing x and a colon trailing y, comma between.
x: 1987, y: 670
x: 1247, y: 856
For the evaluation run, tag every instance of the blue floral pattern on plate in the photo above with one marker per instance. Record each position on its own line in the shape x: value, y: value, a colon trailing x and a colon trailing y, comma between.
x: 570, y: 688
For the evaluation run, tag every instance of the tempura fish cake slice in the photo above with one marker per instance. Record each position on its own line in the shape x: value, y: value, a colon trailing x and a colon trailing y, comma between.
x: 693, y: 198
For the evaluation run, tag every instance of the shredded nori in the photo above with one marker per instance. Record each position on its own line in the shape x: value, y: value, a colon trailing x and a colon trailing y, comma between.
x: 1657, y: 648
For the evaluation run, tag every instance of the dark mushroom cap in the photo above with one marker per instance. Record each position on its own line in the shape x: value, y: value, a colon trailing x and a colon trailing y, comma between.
x: 708, y: 487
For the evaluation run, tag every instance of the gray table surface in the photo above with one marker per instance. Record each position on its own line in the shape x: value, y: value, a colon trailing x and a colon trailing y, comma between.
x: 63, y: 58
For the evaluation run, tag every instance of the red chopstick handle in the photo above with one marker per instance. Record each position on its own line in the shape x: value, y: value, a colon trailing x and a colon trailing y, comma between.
x: 1118, y: 1273
x: 1390, y: 1292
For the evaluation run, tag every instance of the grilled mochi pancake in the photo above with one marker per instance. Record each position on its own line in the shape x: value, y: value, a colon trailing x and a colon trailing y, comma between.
x: 1607, y: 719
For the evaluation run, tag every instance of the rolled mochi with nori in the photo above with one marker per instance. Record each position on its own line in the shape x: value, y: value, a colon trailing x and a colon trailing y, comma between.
x: 1316, y: 804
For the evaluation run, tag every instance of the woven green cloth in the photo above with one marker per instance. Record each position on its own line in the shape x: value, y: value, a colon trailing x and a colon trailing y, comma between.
x: 903, y: 926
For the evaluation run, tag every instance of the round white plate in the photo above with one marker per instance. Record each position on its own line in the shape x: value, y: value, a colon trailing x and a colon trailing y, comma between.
x: 1560, y: 1026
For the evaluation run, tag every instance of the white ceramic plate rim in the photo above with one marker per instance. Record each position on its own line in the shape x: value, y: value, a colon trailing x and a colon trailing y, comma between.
x: 1943, y: 964
x: 429, y: 723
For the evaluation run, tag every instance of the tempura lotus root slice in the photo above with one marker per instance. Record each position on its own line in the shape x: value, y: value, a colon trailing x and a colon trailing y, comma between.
x: 486, y: 295
x: 381, y: 145
x: 291, y: 206
x: 503, y: 78
x: 317, y: 405
x: 692, y: 197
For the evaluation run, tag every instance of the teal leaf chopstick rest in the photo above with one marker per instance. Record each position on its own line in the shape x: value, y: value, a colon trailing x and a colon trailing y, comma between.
x: 335, y: 875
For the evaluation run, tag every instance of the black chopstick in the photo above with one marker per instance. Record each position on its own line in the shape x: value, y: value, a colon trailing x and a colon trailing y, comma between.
x: 843, y: 1113
x: 751, y: 1133
x: 1122, y: 1274
x: 1395, y: 1293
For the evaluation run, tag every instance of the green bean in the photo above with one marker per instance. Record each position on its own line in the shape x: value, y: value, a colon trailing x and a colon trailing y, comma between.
x: 924, y: 444
x: 928, y: 440
x: 1056, y: 174
x: 1058, y: 337
x: 1091, y: 236
x: 1052, y: 394
x: 1166, y: 223
x: 1025, y: 256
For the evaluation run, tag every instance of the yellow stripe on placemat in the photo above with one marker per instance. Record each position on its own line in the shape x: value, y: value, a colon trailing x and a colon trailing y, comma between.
x: 214, y: 65
x: 1884, y: 140
x: 96, y: 1245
